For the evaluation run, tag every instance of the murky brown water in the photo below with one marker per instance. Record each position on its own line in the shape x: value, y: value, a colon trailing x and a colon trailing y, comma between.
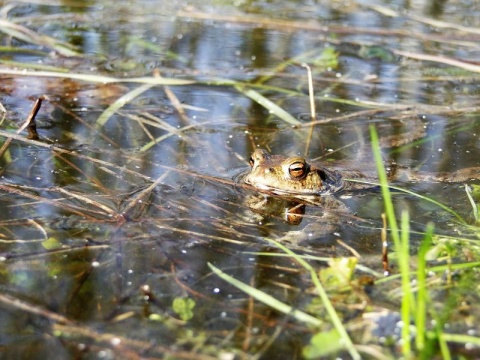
x: 106, y: 222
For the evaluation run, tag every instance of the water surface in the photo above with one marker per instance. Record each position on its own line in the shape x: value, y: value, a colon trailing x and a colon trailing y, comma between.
x: 108, y: 219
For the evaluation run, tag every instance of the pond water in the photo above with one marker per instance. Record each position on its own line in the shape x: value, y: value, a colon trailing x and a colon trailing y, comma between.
x: 111, y: 218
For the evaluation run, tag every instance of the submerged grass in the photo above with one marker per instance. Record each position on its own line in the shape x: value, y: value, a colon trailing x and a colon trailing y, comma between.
x: 268, y: 104
x: 94, y: 78
x: 25, y: 34
x: 344, y: 340
x: 267, y: 299
x: 119, y: 103
x: 335, y: 319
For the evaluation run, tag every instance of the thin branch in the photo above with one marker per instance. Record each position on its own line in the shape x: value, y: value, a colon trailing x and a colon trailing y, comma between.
x: 30, y: 120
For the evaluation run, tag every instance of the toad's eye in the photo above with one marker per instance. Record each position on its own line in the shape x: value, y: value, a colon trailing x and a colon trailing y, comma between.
x: 298, y: 170
x: 251, y: 161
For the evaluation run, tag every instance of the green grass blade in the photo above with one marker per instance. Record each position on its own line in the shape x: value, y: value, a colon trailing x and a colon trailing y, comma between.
x: 462, y: 338
x: 435, y: 269
x: 472, y: 202
x: 268, y: 104
x: 119, y: 103
x: 422, y: 293
x: 18, y: 64
x: 22, y: 33
x: 409, y: 192
x: 403, y: 255
x: 442, y: 342
x: 407, y: 298
x: 98, y: 78
x: 337, y: 323
x: 383, y: 182
x: 266, y: 298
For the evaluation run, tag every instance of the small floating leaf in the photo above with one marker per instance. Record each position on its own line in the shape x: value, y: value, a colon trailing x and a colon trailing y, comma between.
x: 475, y: 191
x: 327, y: 59
x: 323, y: 344
x: 183, y: 307
x: 339, y: 273
x: 51, y: 243
x: 156, y: 317
x: 376, y: 52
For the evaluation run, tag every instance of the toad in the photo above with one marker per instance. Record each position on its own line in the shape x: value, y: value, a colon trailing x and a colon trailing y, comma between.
x: 296, y: 177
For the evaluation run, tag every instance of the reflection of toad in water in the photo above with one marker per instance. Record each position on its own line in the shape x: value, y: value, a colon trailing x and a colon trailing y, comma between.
x: 292, y: 212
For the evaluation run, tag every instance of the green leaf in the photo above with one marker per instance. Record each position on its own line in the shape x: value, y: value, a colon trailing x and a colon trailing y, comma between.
x: 323, y: 344
x: 51, y: 243
x: 156, y: 317
x: 183, y: 307
x: 376, y: 52
x: 339, y: 273
x: 327, y: 59
x: 475, y: 191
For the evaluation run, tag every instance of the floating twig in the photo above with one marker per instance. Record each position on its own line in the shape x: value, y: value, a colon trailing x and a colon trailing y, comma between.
x: 22, y: 33
x: 98, y: 78
x: 27, y: 124
x: 386, y: 267
x: 313, y: 113
x: 33, y: 309
x: 439, y: 59
x: 32, y: 125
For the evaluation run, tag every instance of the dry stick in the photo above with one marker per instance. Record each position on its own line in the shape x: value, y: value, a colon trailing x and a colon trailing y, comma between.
x: 349, y: 248
x: 313, y: 113
x: 424, y: 20
x: 107, y: 210
x: 439, y: 59
x: 32, y: 126
x: 187, y: 288
x: 67, y: 251
x: 33, y: 309
x: 249, y: 325
x: 157, y: 122
x: 93, y: 180
x: 84, y: 123
x: 141, y: 197
x: 118, y: 167
x: 55, y: 202
x: 176, y: 104
x: 403, y: 112
x: 173, y: 99
x: 39, y: 227
x: 117, y: 341
x: 386, y: 267
x: 70, y: 152
x: 27, y: 123
x: 142, y: 126
x: 314, y: 26
x: 67, y: 327
x: 350, y: 116
x: 3, y: 111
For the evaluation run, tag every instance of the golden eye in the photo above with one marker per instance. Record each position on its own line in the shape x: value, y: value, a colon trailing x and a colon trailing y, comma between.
x: 298, y: 170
